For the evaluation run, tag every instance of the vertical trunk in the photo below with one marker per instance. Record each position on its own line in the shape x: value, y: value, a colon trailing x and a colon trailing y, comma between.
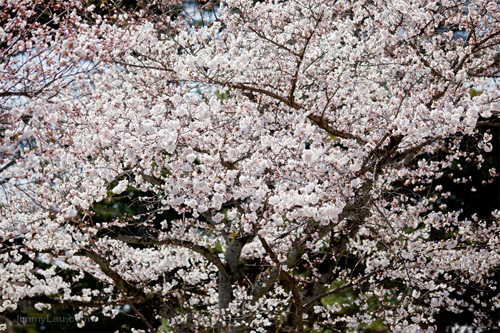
x: 225, y: 291
x: 225, y: 283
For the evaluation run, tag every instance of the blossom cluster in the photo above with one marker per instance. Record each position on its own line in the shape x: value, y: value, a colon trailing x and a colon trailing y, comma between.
x: 278, y: 155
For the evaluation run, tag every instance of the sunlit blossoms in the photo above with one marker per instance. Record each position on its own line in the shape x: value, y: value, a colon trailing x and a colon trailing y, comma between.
x: 250, y: 166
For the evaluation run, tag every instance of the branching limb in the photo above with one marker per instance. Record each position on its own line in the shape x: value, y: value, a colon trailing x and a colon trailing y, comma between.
x: 120, y: 283
x: 336, y: 290
x: 291, y: 284
x: 205, y: 252
x: 323, y: 124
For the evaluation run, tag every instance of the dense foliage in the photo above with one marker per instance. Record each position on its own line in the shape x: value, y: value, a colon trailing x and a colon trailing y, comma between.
x: 251, y: 166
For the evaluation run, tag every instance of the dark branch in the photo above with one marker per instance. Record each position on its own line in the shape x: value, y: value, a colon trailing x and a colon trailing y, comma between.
x: 120, y: 283
x: 336, y: 290
x: 205, y: 252
x: 323, y: 124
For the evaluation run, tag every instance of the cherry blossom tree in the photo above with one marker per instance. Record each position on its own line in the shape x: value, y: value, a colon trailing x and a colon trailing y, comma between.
x: 284, y: 160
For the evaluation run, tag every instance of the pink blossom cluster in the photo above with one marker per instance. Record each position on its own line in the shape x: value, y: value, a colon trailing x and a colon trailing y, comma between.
x: 298, y: 144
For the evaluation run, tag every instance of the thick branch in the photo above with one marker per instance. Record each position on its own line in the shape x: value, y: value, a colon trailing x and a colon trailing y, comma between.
x: 233, y: 255
x: 245, y: 87
x: 488, y: 124
x: 205, y: 252
x: 120, y: 283
x: 317, y: 120
x: 323, y: 124
x: 409, y: 154
x: 291, y: 284
x: 264, y: 283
